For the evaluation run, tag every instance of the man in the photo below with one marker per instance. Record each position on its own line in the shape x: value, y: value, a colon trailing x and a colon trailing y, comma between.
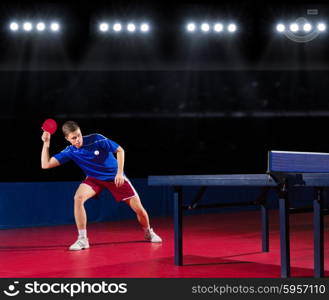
x: 94, y: 154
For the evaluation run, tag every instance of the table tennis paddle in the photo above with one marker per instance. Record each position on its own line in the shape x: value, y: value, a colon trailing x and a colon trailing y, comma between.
x: 50, y: 126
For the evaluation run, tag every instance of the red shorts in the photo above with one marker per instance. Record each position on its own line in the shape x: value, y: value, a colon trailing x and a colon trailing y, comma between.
x: 122, y: 193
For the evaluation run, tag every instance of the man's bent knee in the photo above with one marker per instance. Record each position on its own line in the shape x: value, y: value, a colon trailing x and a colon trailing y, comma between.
x: 80, y: 199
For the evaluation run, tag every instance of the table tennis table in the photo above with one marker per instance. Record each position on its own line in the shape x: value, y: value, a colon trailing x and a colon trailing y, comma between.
x: 286, y: 171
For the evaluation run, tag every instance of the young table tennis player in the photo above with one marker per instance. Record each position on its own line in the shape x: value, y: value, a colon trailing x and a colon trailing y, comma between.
x: 94, y: 154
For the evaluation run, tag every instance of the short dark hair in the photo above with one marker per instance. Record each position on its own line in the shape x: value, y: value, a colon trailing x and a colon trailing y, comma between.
x: 69, y: 126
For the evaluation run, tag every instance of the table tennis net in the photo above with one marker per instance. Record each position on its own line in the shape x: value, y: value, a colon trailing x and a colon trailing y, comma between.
x: 298, y: 162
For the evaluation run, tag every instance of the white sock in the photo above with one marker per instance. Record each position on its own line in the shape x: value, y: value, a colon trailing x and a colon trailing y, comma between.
x: 82, y: 233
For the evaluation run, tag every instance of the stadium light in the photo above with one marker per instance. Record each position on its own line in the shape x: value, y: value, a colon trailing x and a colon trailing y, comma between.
x: 27, y: 26
x: 131, y: 27
x: 13, y: 26
x: 41, y: 26
x: 117, y: 27
x: 231, y: 27
x: 191, y: 27
x: 321, y: 27
x: 145, y: 27
x: 218, y: 27
x: 301, y: 30
x: 205, y: 27
x: 307, y: 27
x: 294, y: 27
x: 280, y: 27
x: 103, y: 27
x: 54, y: 27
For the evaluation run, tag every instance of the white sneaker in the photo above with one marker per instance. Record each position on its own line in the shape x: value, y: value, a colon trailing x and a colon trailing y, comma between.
x: 80, y: 244
x: 151, y: 236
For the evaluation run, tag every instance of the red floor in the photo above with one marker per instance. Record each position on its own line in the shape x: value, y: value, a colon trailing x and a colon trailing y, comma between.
x: 215, y: 245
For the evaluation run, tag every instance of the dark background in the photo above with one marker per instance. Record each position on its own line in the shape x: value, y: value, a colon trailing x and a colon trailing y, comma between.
x: 177, y: 103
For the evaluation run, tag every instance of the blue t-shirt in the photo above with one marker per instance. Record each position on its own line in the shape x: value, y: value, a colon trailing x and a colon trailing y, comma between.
x: 95, y: 157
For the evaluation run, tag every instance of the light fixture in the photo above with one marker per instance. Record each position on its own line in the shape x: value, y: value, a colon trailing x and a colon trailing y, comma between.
x: 14, y: 26
x: 145, y: 27
x: 131, y: 27
x: 218, y: 27
x: 231, y: 27
x: 54, y: 26
x: 117, y: 27
x: 41, y: 26
x: 280, y: 27
x: 205, y: 27
x: 27, y: 26
x: 191, y: 27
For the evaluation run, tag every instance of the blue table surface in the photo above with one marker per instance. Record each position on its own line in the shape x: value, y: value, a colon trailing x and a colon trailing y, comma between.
x: 308, y: 179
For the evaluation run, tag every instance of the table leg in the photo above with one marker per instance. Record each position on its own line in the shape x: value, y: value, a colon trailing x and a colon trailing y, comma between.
x: 318, y: 233
x: 178, y: 225
x: 265, y: 234
x: 284, y: 233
